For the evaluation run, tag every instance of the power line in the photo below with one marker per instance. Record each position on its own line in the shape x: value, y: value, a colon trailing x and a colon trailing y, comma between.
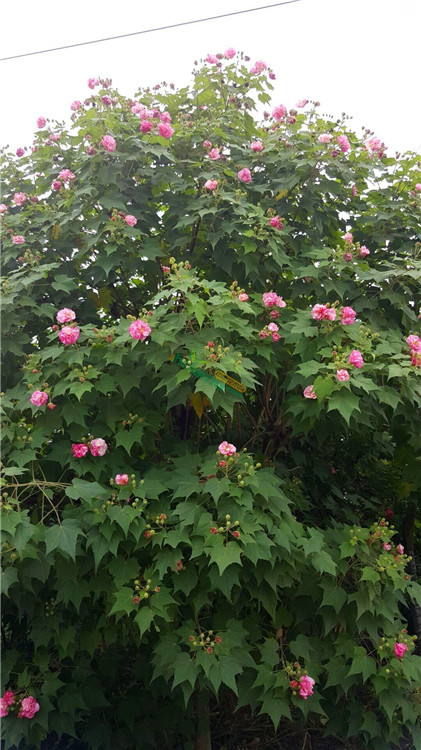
x: 149, y: 31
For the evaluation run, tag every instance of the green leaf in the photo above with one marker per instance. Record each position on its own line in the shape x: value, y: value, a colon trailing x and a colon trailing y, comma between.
x: 226, y: 555
x: 123, y: 602
x: 345, y: 403
x: 143, y: 618
x: 323, y: 387
x: 184, y: 670
x: 63, y: 537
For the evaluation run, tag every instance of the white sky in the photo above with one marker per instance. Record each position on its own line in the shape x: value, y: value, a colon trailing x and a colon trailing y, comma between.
x: 356, y: 56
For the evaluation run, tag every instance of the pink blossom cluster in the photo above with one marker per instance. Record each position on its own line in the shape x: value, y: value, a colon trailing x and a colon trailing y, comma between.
x: 68, y: 335
x: 109, y: 143
x: 276, y: 223
x: 97, y: 446
x: 150, y: 118
x: 258, y: 67
x: 306, y: 686
x: 5, y: 702
x: 344, y: 143
x: 66, y: 175
x: 244, y: 175
x: 270, y: 330
x: 139, y: 329
x: 121, y: 479
x: 356, y: 359
x: 92, y: 82
x: 414, y: 343
x: 256, y: 146
x: 271, y: 299
x: 41, y: 122
x: 375, y: 146
x: 227, y: 449
x: 28, y: 706
x: 19, y: 199
x: 323, y: 312
x: 39, y: 398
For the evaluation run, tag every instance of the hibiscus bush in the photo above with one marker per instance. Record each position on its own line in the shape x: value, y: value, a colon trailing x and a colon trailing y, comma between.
x: 211, y: 446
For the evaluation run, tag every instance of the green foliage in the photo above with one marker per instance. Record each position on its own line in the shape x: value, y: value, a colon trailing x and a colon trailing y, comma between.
x: 203, y: 573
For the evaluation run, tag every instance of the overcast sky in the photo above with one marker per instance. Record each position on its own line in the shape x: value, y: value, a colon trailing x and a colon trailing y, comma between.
x: 359, y: 57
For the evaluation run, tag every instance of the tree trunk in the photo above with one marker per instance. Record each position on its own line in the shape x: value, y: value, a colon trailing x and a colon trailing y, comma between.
x: 202, y: 711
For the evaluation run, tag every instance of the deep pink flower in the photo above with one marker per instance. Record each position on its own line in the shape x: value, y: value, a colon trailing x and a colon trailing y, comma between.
x: 389, y: 512
x: 276, y: 222
x: 3, y: 208
x: 229, y: 53
x: 387, y: 546
x: 56, y: 185
x: 271, y: 299
x: 75, y: 105
x: 39, y: 398
x: 348, y: 237
x: 342, y: 375
x: 214, y: 154
x: 98, y: 447
x: 211, y: 184
x: 364, y: 251
x: 227, y: 449
x: 20, y: 152
x: 130, y: 220
x: 272, y: 327
x: 109, y: 143
x: 145, y: 126
x: 69, y: 335
x: 258, y: 67
x: 165, y: 129
x: 415, y: 359
x: 66, y: 315
x: 279, y: 112
x: 309, y: 392
x: 306, y: 686
x: 275, y: 313
x: 92, y: 82
x: 212, y: 59
x: 400, y: 649
x: 243, y: 297
x: 166, y: 269
x: 3, y: 708
x: 41, y: 122
x: 275, y: 336
x: 400, y: 549
x: 207, y: 144
x: 79, y: 450
x: 66, y: 175
x: 356, y: 359
x: 347, y: 316
x: 263, y: 335
x: 354, y: 190
x: 414, y: 342
x: 106, y: 100
x: 121, y: 479
x: 29, y: 707
x: 344, y: 143
x: 325, y: 138
x: 244, y: 175
x: 318, y: 312
x: 347, y: 257
x: 256, y: 146
x: 9, y: 697
x: 19, y: 198
x: 139, y: 329
x: 17, y: 239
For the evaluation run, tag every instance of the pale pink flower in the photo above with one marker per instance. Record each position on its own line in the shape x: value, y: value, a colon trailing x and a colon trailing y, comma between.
x: 121, y: 479
x: 258, y: 67
x: 276, y: 222
x: 69, y: 335
x: 272, y: 327
x: 309, y: 392
x: 306, y: 686
x: 211, y: 184
x: 414, y: 342
x: 212, y: 59
x: 39, y: 398
x: 165, y: 129
x: 3, y: 208
x: 356, y: 359
x: 418, y: 187
x: 139, y: 329
x: 98, y: 447
x: 244, y: 175
x: 227, y: 449
x: 29, y: 708
x: 75, y: 105
x: 9, y: 697
x: 20, y: 152
x: 56, y: 137
x: 109, y: 143
x: 271, y: 299
x: 400, y: 649
x: 373, y: 144
x: 400, y: 549
x: 279, y: 112
x: 19, y: 198
x: 145, y: 126
x: 387, y: 546
x: 66, y: 175
x: 17, y: 239
x: 302, y: 103
x: 41, y: 122
x: 364, y: 251
x: 92, y: 82
x: 79, y: 450
x: 214, y: 154
x: 256, y: 146
x: 330, y: 313
x: 243, y: 297
x: 65, y: 315
x: 165, y: 117
x: 318, y: 312
x: 325, y: 138
x: 229, y: 53
x: 347, y: 316
x: 344, y: 143
x: 3, y: 708
x: 348, y: 237
x: 342, y: 375
x: 137, y: 108
x: 275, y: 336
x: 207, y: 144
x: 56, y: 185
x: 130, y: 220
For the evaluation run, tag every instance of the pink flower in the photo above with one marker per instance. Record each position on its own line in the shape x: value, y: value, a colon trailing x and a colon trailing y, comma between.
x: 354, y: 190
x: 3, y: 208
x: 347, y: 316
x: 66, y: 175
x: 272, y: 327
x: 263, y: 335
x: 389, y: 512
x: 92, y: 82
x: 387, y: 546
x: 309, y: 392
x: 415, y: 359
x: 244, y: 175
x: 347, y: 257
x: 342, y: 375
x: 275, y: 336
x: 20, y: 152
x: 356, y: 359
x: 330, y: 313
x: 306, y: 686
x: 227, y: 449
x: 212, y: 59
x: 145, y: 126
x: 79, y: 450
x: 364, y: 251
x: 279, y: 112
x: 211, y: 184
x: 8, y: 697
x: 400, y: 649
x: 56, y: 137
x: 98, y: 447
x: 17, y: 239
x: 106, y: 100
x: 348, y: 237
x: 3, y: 708
x: 165, y: 129
x: 166, y: 269
x: 65, y: 315
x: 75, y: 105
x: 165, y: 117
x: 318, y: 312
x: 325, y: 138
x: 414, y: 342
x: 258, y: 67
x: 274, y: 313
x: 229, y: 53
x: 19, y: 198
x: 29, y: 707
x: 214, y: 154
x: 139, y: 329
x: 121, y: 479
x: 41, y: 122
x: 373, y: 144
x: 109, y: 143
x: 39, y: 398
x: 344, y: 143
x: 271, y: 299
x: 256, y: 146
x: 130, y: 220
x: 69, y: 335
x: 302, y: 103
x: 418, y: 187
x: 400, y: 549
x: 243, y: 297
x: 207, y: 144
x: 276, y: 222
x: 56, y: 185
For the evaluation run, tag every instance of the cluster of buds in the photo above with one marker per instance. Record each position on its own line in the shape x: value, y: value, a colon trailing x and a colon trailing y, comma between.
x: 143, y: 591
x: 160, y: 522
x: 270, y: 330
x: 214, y: 352
x: 227, y: 529
x: 178, y: 268
x: 300, y: 682
x: 83, y: 374
x: 206, y: 640
x: 237, y: 292
x: 396, y: 647
x: 104, y: 334
x: 49, y: 607
x: 32, y: 259
x: 275, y: 221
x: 131, y: 420
x: 391, y: 556
x: 352, y: 249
